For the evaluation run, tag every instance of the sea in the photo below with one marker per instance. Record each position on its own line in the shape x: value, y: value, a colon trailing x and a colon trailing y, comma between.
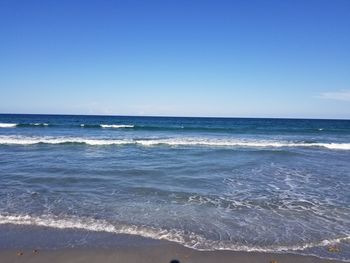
x: 241, y: 184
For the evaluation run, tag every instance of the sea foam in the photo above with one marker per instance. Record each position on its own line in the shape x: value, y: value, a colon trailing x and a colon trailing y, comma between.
x: 23, y: 140
x: 39, y: 124
x: 8, y: 125
x: 188, y: 239
x: 116, y: 126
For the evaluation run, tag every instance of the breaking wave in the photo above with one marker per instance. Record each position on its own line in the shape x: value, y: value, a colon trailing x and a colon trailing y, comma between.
x: 23, y: 125
x: 116, y: 126
x: 21, y: 140
x: 39, y: 124
x: 8, y: 125
x: 12, y: 125
x: 179, y: 127
x: 186, y: 238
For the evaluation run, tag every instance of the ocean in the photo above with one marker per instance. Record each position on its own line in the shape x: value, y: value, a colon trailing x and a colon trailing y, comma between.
x: 273, y: 185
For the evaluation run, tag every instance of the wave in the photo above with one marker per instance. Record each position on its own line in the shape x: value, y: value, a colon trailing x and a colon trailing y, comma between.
x: 189, y: 128
x: 8, y: 125
x: 23, y: 125
x: 106, y: 126
x: 39, y: 124
x: 186, y: 238
x: 116, y: 126
x: 12, y: 125
x: 19, y: 140
x: 58, y: 140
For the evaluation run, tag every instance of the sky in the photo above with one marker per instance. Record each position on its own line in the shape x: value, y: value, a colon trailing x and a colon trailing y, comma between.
x: 262, y: 58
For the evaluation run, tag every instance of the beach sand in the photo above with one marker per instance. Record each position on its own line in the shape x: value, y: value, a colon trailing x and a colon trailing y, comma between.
x: 148, y: 254
x: 36, y: 244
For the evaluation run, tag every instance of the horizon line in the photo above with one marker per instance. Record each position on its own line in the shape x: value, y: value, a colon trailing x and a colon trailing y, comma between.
x: 176, y: 116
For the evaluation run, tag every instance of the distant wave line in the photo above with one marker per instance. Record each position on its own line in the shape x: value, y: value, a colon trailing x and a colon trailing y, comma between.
x: 39, y: 124
x: 21, y: 140
x: 179, y: 127
x: 13, y: 125
x: 116, y: 126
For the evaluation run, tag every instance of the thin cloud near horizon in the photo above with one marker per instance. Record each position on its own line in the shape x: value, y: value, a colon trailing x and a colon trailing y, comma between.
x: 342, y: 95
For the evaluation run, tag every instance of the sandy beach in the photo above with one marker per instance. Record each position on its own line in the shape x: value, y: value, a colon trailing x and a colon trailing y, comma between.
x: 149, y: 254
x: 33, y: 244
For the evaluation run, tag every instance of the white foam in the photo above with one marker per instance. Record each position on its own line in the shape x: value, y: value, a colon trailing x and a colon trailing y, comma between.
x: 116, y: 126
x: 39, y: 124
x: 186, y: 238
x: 7, y: 125
x: 22, y: 140
x: 238, y: 143
x: 91, y: 225
x: 12, y: 140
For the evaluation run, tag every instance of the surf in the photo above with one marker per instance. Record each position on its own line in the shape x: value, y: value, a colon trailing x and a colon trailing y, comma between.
x: 205, y: 142
x: 188, y: 239
x: 8, y: 125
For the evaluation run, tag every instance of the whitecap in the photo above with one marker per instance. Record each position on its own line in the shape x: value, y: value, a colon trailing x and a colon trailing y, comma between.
x: 173, y: 142
x: 116, y: 126
x: 8, y: 125
x: 39, y: 124
x: 239, y: 143
x: 14, y: 140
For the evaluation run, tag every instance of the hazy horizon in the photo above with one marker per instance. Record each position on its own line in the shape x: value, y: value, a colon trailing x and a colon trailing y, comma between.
x: 172, y: 116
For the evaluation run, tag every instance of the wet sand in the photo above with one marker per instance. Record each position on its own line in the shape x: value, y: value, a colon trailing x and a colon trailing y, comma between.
x: 148, y: 254
x: 35, y: 244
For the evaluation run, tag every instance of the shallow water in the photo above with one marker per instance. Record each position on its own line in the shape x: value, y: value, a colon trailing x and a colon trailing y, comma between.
x: 208, y: 183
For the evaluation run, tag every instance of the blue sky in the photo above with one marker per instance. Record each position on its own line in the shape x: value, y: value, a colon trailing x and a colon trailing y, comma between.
x: 244, y: 58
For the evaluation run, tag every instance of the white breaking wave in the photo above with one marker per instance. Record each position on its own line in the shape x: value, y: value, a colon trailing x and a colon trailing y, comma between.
x: 21, y: 140
x: 238, y: 143
x: 116, y: 126
x: 58, y: 140
x: 7, y: 125
x: 186, y: 238
x: 39, y: 124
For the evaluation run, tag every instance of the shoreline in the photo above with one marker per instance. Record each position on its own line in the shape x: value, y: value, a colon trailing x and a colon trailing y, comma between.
x: 150, y: 254
x: 44, y: 244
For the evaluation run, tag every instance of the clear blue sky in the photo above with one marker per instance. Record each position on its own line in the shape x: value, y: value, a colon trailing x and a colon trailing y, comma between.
x: 243, y: 58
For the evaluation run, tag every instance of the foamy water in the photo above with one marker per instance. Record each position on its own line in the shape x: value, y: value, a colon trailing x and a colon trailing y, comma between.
x: 7, y: 125
x: 20, y: 140
x: 116, y: 126
x: 191, y: 240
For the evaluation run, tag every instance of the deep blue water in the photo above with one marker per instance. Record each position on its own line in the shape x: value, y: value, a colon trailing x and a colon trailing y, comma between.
x: 208, y: 183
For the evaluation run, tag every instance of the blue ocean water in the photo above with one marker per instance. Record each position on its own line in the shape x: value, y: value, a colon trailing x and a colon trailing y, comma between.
x: 277, y: 185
